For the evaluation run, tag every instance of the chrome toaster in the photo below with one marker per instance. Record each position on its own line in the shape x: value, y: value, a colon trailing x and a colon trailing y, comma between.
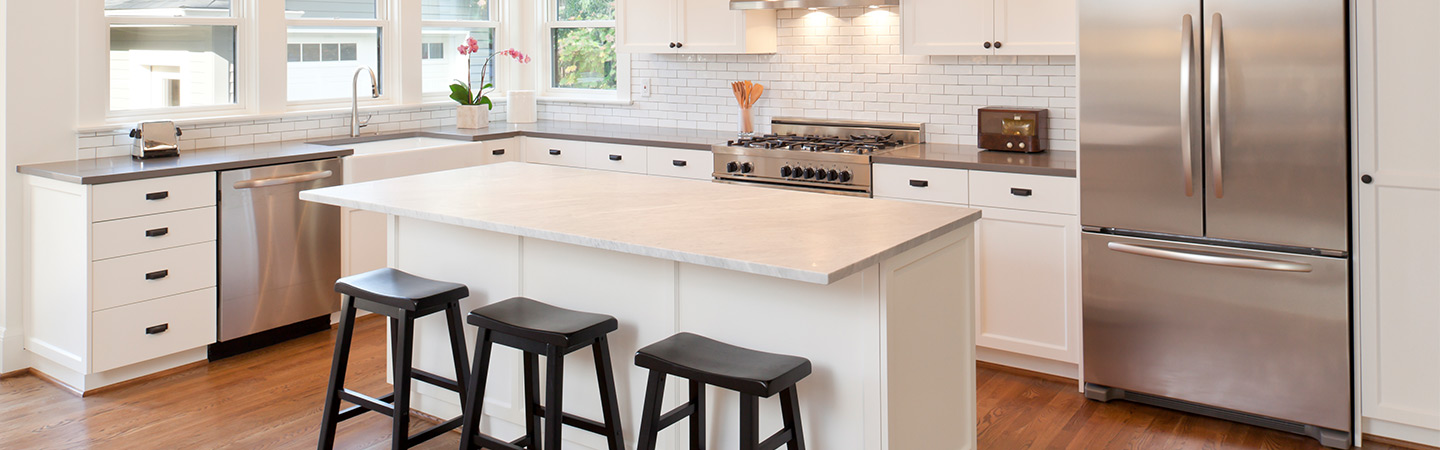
x: 156, y: 139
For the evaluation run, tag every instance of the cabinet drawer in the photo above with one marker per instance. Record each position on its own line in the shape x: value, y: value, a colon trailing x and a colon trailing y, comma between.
x: 148, y: 330
x: 149, y: 233
x: 922, y: 183
x: 504, y: 150
x: 129, y: 279
x: 152, y: 196
x: 619, y: 158
x: 555, y: 151
x: 1041, y: 193
x: 675, y: 162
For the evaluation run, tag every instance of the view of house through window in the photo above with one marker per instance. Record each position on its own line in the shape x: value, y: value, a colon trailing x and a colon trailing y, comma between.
x: 582, y: 42
x: 327, y: 59
x: 172, y: 64
x: 442, y: 64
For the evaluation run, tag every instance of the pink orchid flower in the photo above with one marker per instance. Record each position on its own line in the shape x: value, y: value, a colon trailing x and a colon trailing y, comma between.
x: 474, y: 46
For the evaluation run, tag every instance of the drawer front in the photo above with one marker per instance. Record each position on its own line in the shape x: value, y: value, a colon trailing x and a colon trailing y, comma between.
x: 555, y: 151
x: 152, y: 196
x: 135, y: 278
x: 149, y: 233
x: 504, y: 150
x: 151, y: 329
x: 675, y: 162
x: 928, y: 184
x: 1039, y: 193
x: 619, y: 158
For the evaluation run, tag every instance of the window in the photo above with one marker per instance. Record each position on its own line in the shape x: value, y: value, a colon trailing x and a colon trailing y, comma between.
x: 446, y: 25
x: 327, y: 41
x: 171, y: 54
x: 581, y: 36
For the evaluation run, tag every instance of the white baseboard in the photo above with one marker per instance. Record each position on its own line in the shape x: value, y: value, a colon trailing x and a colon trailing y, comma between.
x: 83, y: 383
x: 12, y: 351
x: 1026, y: 362
x: 1398, y: 431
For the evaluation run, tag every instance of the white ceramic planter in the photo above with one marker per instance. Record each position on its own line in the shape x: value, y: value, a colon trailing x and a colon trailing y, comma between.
x: 472, y: 116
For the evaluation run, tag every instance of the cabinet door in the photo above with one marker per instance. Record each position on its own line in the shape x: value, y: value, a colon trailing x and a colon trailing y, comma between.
x: 646, y: 26
x: 1399, y: 248
x: 708, y: 26
x: 947, y: 27
x: 1028, y: 283
x: 1036, y: 27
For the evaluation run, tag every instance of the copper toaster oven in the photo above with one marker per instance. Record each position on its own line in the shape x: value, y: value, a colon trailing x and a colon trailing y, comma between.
x: 1013, y: 129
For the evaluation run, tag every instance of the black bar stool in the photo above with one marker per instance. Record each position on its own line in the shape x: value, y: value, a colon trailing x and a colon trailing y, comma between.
x: 403, y: 298
x: 537, y: 328
x: 703, y: 361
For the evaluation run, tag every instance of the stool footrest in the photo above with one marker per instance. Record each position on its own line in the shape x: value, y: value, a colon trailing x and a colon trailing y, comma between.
x: 432, y: 432
x: 675, y: 415
x: 777, y: 440
x: 364, y: 402
x: 436, y: 380
x: 577, y: 422
x: 488, y: 442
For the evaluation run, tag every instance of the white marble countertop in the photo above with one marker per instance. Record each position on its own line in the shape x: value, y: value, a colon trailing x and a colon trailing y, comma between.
x: 809, y: 237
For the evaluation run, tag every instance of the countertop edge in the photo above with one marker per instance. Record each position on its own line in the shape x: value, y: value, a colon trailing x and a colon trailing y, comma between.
x: 172, y: 171
x: 807, y: 276
x: 1003, y: 168
x: 462, y: 137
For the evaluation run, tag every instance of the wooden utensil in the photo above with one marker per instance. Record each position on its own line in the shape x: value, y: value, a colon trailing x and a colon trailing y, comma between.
x: 755, y: 92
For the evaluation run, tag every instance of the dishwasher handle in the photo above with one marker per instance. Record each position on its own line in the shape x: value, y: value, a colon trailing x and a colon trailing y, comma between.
x: 1212, y: 259
x: 289, y: 179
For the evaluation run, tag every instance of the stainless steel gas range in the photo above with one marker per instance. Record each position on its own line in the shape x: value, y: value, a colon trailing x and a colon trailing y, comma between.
x: 813, y: 155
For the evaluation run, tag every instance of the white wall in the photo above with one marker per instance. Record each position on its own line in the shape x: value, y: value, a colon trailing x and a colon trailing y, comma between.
x: 41, y: 99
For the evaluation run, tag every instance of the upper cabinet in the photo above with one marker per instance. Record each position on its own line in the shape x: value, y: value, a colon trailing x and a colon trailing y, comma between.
x: 692, y: 26
x: 988, y: 27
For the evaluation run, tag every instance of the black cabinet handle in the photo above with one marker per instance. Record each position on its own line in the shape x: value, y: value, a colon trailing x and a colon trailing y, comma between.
x: 987, y: 44
x: 497, y: 152
x: 1021, y: 192
x: 672, y: 45
x: 152, y: 276
x: 554, y: 152
x: 679, y: 163
x: 157, y: 232
x: 157, y: 195
x: 679, y: 45
x: 614, y: 157
x: 919, y: 183
x: 161, y: 328
x: 1367, y: 179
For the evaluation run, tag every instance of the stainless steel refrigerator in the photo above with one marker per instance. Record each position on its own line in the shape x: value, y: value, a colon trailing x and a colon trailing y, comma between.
x: 1214, y: 159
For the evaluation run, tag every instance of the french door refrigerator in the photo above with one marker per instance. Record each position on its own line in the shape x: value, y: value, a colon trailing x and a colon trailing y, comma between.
x: 1214, y: 150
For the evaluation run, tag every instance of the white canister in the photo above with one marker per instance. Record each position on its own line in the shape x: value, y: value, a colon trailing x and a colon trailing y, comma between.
x: 520, y: 107
x: 472, y: 116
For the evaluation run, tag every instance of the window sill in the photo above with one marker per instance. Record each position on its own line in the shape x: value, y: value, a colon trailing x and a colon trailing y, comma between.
x: 129, y: 122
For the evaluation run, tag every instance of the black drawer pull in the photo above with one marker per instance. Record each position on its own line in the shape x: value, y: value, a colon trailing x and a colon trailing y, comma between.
x: 161, y: 328
x: 157, y: 195
x: 1021, y: 192
x: 554, y: 152
x: 157, y: 232
x: 614, y: 157
x: 920, y: 183
x: 152, y: 276
x: 680, y: 163
x: 497, y: 152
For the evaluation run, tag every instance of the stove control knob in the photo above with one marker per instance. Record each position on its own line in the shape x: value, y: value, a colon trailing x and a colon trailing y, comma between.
x: 786, y: 171
x: 732, y: 167
x: 809, y: 173
x: 746, y: 168
x: 845, y: 176
x: 832, y: 175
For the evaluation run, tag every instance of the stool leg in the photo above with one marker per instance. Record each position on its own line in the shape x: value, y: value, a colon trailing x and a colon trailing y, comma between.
x: 457, y: 346
x: 697, y: 420
x: 328, y: 421
x: 554, y: 396
x: 475, y: 390
x: 749, y: 422
x: 403, y: 343
x: 650, y: 417
x: 605, y: 374
x: 532, y: 399
x: 790, y: 409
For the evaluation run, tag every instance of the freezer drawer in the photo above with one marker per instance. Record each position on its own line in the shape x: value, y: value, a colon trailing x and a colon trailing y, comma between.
x: 1258, y: 332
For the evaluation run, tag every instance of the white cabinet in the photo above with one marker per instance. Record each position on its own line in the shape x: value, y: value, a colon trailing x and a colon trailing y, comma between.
x: 680, y: 163
x: 1398, y: 219
x: 118, y: 276
x: 989, y: 27
x: 555, y: 152
x: 615, y: 157
x: 692, y: 26
x: 926, y: 184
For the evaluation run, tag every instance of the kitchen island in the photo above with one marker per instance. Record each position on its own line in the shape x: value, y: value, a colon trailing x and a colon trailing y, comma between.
x: 877, y: 294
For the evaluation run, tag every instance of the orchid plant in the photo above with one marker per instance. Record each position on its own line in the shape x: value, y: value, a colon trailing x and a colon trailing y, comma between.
x: 463, y: 92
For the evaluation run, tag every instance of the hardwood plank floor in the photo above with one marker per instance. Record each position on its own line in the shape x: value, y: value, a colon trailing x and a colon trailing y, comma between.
x: 270, y: 399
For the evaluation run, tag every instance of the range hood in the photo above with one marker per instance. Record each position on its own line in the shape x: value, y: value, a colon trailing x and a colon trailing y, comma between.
x: 806, y: 4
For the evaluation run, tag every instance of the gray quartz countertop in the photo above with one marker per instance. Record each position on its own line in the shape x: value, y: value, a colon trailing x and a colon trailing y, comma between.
x: 574, y: 131
x: 125, y: 168
x: 1054, y: 162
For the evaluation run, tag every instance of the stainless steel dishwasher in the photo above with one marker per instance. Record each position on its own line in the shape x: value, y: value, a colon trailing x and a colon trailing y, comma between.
x: 279, y: 256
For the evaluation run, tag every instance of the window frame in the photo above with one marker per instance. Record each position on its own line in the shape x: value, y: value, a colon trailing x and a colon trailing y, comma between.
x: 548, y: 21
x: 505, y: 74
x: 239, y: 18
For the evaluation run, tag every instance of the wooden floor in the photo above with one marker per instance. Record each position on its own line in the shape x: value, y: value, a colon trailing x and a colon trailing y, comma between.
x: 270, y: 399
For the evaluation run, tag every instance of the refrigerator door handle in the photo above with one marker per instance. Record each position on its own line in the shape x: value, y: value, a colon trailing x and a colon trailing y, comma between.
x: 1187, y: 95
x: 1217, y: 74
x: 1212, y: 259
